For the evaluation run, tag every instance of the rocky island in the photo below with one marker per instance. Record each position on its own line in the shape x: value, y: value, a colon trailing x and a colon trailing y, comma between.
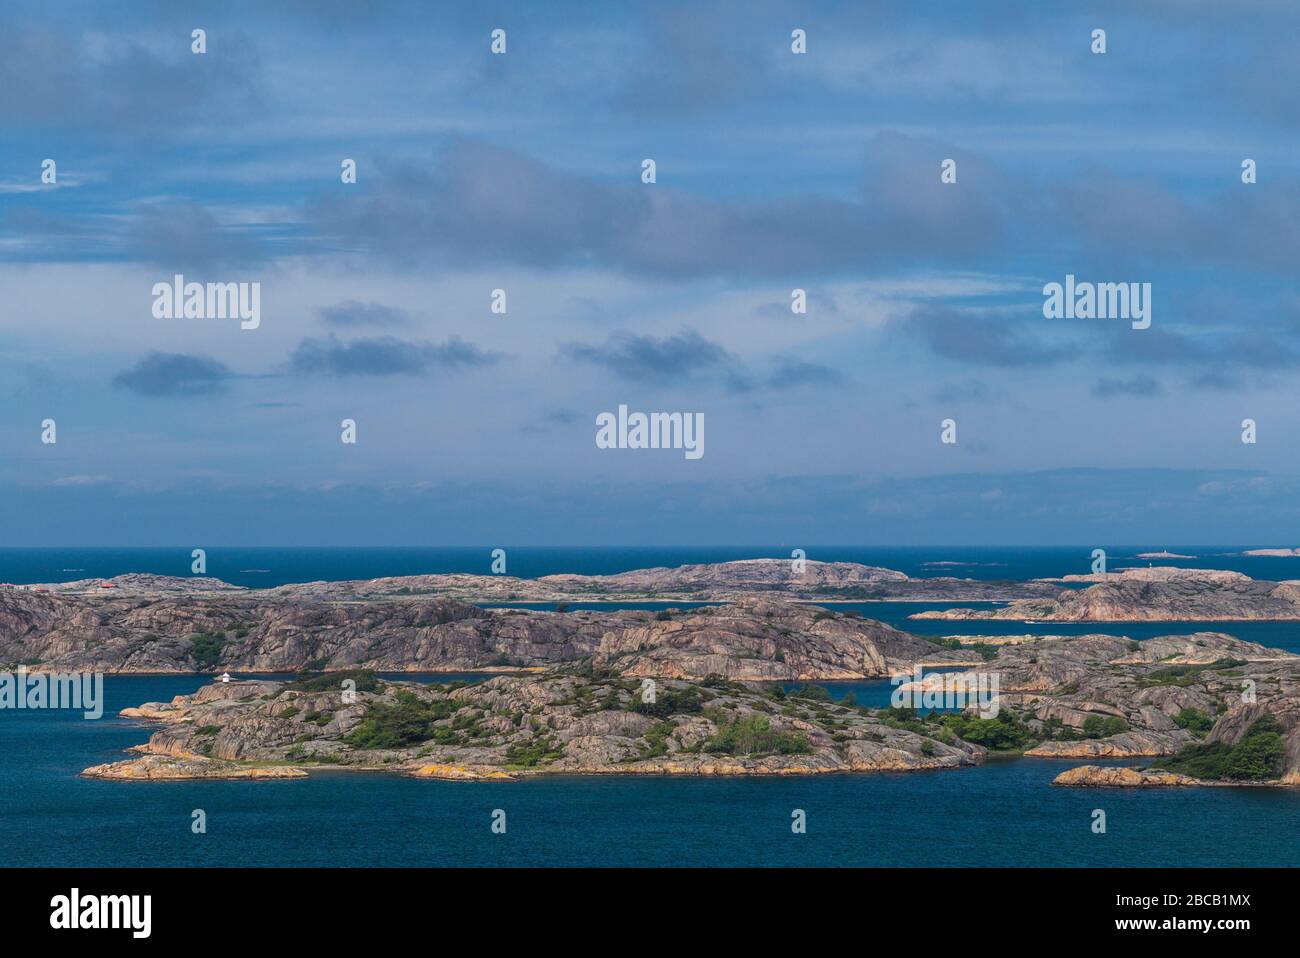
x: 1159, y: 594
x: 580, y: 721
x: 1211, y: 709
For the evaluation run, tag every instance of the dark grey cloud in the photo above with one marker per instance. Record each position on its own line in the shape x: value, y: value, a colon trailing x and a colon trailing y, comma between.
x: 385, y: 356
x: 350, y: 312
x: 1108, y: 387
x: 980, y: 337
x: 650, y: 359
x: 483, y: 203
x: 180, y: 236
x: 174, y: 374
x: 689, y: 356
x: 788, y: 372
x: 60, y: 78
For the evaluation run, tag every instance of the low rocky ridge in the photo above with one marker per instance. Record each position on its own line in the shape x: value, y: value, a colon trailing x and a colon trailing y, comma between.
x: 590, y: 722
x: 754, y: 639
x: 712, y: 582
x: 1151, y: 595
x: 767, y: 640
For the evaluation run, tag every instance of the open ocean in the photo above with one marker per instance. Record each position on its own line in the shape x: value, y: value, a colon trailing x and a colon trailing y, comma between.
x: 277, y: 566
x: 1002, y: 813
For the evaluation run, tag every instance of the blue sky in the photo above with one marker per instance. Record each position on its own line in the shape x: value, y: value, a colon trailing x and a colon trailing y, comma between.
x: 774, y: 171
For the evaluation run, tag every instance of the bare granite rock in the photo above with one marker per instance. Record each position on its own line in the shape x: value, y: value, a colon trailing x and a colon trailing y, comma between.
x: 1151, y: 595
x: 1096, y: 776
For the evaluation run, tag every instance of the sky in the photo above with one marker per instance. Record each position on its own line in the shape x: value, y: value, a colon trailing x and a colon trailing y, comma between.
x: 522, y: 171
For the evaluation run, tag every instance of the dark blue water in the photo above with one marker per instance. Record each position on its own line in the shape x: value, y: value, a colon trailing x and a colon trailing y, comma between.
x: 277, y: 566
x: 1003, y: 813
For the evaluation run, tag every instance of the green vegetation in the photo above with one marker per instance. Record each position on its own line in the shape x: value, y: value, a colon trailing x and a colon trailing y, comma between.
x: 754, y: 735
x: 205, y: 649
x: 1094, y: 726
x: 1256, y: 756
x: 539, y: 751
x: 668, y: 702
x: 1185, y: 675
x: 656, y: 740
x: 814, y: 693
x: 209, y: 730
x: 1005, y: 733
x: 408, y: 721
x: 1194, y: 720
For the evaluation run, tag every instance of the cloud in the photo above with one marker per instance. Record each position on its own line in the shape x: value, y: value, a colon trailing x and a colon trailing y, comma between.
x: 652, y: 360
x: 979, y: 337
x: 1108, y: 387
x: 174, y: 374
x: 98, y: 82
x: 187, y: 236
x: 385, y: 356
x: 350, y: 312
x: 486, y: 204
x: 788, y: 373
x: 80, y: 480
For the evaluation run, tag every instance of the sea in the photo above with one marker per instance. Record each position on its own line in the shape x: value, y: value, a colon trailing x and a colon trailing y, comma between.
x: 1004, y: 812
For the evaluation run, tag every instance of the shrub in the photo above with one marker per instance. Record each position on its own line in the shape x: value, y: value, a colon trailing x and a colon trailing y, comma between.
x: 1194, y: 720
x: 815, y: 693
x: 754, y: 735
x: 1002, y: 734
x: 408, y: 721
x: 205, y: 649
x: 539, y: 751
x: 1094, y: 726
x: 668, y: 702
x: 1256, y: 756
